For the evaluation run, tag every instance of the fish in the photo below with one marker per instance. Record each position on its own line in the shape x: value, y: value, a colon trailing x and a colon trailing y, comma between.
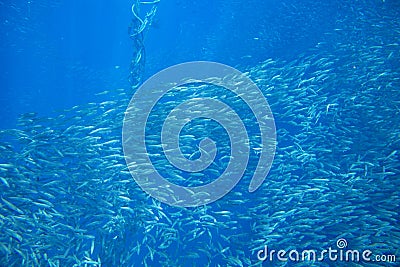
x: 67, y: 197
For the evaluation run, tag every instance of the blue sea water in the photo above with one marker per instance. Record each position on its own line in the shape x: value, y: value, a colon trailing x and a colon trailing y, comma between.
x: 329, y: 69
x: 57, y: 54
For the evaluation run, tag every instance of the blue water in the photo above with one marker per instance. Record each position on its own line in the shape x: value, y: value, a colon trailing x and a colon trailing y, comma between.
x: 333, y: 86
x: 57, y: 54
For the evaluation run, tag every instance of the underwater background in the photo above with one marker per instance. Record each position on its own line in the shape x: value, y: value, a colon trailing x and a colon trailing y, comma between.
x: 330, y: 71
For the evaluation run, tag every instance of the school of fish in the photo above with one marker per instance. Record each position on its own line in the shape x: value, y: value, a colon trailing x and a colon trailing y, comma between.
x: 67, y: 197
